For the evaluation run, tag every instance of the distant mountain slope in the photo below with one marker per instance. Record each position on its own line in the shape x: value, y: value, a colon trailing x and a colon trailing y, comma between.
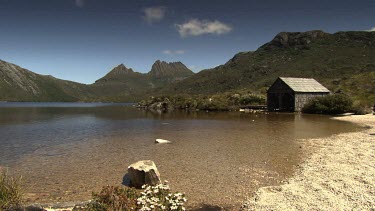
x: 19, y: 84
x: 170, y: 71
x: 122, y: 74
x: 344, y: 61
x: 122, y: 83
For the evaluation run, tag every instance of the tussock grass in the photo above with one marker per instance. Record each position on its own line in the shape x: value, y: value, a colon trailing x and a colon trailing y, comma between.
x: 10, y: 191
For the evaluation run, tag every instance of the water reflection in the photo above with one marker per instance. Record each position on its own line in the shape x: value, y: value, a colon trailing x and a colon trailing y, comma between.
x: 216, y: 151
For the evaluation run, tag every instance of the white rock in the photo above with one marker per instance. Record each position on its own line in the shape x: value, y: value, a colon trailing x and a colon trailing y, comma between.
x: 162, y: 141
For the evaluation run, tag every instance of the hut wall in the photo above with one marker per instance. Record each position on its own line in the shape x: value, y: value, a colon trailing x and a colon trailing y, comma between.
x: 302, y: 98
x: 280, y: 97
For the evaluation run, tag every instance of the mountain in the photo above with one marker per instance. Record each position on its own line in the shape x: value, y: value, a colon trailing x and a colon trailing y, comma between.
x: 343, y: 62
x: 19, y: 84
x: 120, y: 73
x: 122, y: 83
x: 172, y: 71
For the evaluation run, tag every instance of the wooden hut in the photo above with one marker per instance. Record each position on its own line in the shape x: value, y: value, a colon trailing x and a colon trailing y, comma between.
x: 291, y: 94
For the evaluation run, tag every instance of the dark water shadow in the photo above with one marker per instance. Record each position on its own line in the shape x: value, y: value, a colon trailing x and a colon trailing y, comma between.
x: 208, y: 207
x: 126, y: 180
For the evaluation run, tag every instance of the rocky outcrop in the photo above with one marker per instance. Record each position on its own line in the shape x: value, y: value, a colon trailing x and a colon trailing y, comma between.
x: 162, y: 69
x: 18, y: 77
x: 143, y: 172
x: 20, y: 84
x: 118, y: 73
x: 292, y: 39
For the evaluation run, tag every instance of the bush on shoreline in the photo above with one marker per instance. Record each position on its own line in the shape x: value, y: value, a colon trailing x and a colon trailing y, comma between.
x: 330, y: 104
x: 157, y: 197
x: 10, y: 191
x: 218, y: 102
x: 360, y: 108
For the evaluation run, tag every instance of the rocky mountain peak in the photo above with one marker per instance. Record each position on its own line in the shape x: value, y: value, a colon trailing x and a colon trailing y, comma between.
x: 121, y: 69
x: 118, y: 73
x: 292, y: 39
x: 171, y: 69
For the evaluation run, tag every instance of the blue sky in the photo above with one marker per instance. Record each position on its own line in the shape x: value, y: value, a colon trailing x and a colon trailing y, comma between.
x: 81, y: 40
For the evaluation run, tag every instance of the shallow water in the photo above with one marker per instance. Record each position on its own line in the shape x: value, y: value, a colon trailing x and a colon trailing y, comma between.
x: 67, y: 150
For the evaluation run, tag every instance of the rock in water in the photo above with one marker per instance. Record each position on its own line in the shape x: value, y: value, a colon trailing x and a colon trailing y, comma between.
x: 162, y: 141
x: 143, y: 172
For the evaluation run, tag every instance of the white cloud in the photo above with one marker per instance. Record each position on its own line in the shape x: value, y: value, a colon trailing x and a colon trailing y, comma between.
x: 80, y: 3
x: 195, y: 27
x: 173, y: 52
x: 154, y: 14
x: 372, y: 29
x: 179, y: 52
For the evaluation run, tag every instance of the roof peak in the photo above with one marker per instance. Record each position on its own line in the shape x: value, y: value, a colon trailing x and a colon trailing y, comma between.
x: 304, y: 84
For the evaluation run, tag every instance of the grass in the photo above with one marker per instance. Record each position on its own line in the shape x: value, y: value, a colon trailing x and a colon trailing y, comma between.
x: 10, y: 191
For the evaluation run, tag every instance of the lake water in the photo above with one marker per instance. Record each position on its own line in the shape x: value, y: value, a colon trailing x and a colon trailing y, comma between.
x: 64, y: 151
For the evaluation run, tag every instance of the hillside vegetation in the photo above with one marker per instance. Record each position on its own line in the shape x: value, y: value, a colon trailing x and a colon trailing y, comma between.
x: 344, y: 62
x: 19, y: 84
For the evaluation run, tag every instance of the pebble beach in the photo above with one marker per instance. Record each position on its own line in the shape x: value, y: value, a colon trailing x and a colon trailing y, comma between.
x: 338, y: 175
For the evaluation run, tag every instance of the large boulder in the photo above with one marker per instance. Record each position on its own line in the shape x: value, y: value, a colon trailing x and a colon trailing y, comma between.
x: 143, y: 172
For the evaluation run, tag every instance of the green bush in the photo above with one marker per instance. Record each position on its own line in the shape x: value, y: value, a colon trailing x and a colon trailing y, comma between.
x: 360, y: 108
x: 252, y: 99
x: 218, y: 102
x: 215, y: 103
x: 10, y: 192
x: 330, y: 104
x: 153, y: 198
x: 113, y: 198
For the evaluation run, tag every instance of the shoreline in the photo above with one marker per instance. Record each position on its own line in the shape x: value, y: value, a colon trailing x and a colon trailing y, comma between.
x: 339, y: 174
x: 308, y: 150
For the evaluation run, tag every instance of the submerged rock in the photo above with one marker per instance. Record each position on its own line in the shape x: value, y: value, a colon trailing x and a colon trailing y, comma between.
x: 143, y: 172
x: 162, y: 141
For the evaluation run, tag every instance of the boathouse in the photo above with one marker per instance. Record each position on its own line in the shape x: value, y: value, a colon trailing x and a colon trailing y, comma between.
x: 291, y: 94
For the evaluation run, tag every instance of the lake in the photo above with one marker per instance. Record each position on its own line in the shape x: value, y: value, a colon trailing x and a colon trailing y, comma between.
x: 64, y: 151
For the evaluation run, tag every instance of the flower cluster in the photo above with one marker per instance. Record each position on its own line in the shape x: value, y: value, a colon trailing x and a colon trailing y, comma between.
x: 159, y: 198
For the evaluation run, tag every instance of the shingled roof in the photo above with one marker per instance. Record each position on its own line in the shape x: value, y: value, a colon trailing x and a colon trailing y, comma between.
x: 304, y: 84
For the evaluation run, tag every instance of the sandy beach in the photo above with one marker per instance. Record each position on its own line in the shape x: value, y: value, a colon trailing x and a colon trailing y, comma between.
x: 338, y: 175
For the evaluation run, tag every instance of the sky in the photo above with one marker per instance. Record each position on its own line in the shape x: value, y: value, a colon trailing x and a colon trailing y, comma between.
x: 82, y: 40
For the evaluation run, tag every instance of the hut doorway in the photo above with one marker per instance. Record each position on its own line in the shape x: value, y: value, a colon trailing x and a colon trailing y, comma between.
x: 287, y: 102
x: 281, y: 102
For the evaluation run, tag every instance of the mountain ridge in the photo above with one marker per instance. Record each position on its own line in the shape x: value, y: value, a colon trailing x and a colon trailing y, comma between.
x: 342, y: 61
x: 333, y: 59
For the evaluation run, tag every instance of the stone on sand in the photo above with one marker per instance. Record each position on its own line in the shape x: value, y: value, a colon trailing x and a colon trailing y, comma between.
x: 143, y: 172
x: 162, y: 141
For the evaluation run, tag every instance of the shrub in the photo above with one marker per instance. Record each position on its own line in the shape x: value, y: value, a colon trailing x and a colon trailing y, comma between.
x: 252, y: 99
x: 213, y: 104
x: 114, y: 198
x: 157, y: 197
x: 359, y: 108
x: 10, y: 192
x: 330, y: 104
